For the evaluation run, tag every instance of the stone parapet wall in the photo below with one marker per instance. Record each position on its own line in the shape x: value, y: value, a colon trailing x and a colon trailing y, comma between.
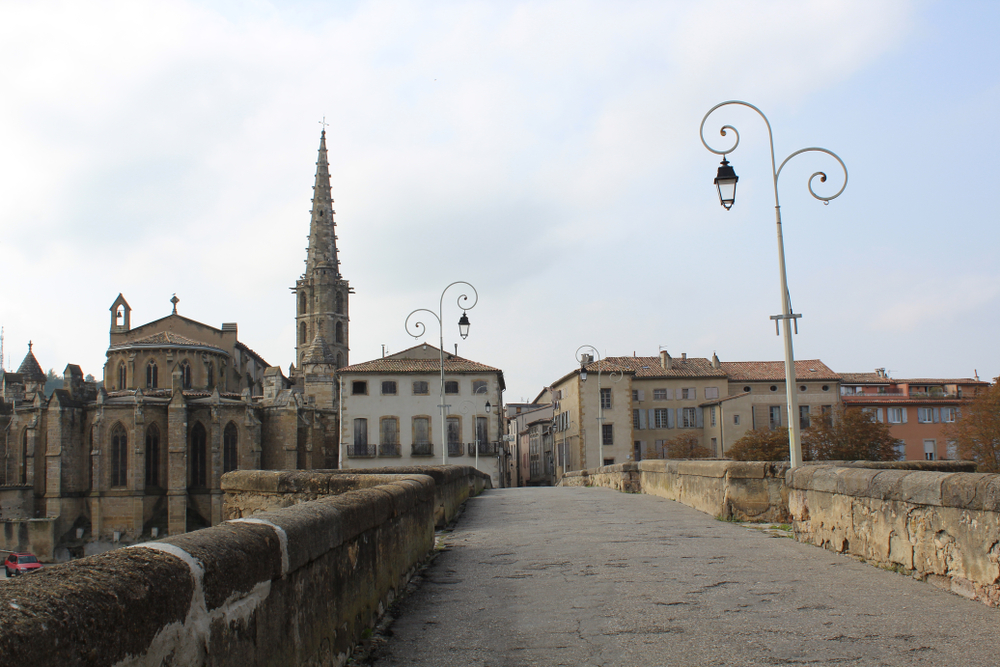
x: 937, y: 526
x: 251, y: 491
x: 294, y: 585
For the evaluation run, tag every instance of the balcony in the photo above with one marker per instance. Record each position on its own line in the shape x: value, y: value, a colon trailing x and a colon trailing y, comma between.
x: 422, y: 449
x: 389, y: 449
x: 485, y: 449
x: 361, y: 451
x: 455, y: 449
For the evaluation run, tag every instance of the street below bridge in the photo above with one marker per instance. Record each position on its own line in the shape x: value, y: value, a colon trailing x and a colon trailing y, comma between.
x: 591, y: 576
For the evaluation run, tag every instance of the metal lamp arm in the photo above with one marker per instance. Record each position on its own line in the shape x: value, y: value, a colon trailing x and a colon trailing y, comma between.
x: 418, y: 326
x: 822, y: 175
x: 465, y: 297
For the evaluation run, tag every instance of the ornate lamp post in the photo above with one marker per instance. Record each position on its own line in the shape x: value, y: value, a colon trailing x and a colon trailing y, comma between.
x: 463, y: 329
x: 725, y: 182
x: 600, y: 402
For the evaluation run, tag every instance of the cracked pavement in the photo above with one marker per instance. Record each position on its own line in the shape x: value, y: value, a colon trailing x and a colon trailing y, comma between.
x: 590, y: 576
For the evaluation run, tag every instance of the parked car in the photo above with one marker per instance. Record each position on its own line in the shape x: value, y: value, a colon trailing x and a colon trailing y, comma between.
x: 21, y: 563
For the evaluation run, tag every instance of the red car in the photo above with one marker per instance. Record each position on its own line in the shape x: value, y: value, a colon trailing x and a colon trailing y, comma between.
x: 21, y: 563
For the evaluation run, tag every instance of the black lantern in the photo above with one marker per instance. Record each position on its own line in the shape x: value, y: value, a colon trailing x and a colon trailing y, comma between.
x: 488, y: 406
x: 725, y: 181
x: 463, y: 325
x: 583, y: 372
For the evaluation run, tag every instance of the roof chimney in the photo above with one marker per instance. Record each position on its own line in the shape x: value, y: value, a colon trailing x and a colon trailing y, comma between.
x: 684, y: 357
x: 665, y: 360
x: 715, y: 360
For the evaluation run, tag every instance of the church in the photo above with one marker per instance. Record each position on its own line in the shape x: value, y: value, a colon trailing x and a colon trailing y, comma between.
x: 141, y: 454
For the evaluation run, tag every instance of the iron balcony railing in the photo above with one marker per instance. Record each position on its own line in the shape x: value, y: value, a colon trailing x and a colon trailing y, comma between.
x: 485, y: 448
x: 389, y: 449
x: 455, y: 449
x: 361, y: 451
x: 422, y: 449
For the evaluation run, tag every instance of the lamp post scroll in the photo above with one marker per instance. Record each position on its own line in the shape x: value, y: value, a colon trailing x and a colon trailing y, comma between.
x: 418, y: 330
x: 725, y: 182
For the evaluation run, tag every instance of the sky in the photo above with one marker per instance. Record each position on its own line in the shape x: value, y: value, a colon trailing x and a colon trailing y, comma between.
x: 546, y: 152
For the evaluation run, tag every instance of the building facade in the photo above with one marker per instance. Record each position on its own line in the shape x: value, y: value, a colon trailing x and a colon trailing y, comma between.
x: 141, y: 454
x: 391, y: 414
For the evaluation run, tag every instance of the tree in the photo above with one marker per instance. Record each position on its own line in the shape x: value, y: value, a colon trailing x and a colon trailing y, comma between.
x: 850, y: 435
x: 761, y: 444
x: 976, y: 432
x: 686, y: 446
x: 52, y: 382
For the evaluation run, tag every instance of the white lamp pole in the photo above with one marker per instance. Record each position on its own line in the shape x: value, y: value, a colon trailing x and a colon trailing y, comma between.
x: 463, y: 330
x: 725, y: 181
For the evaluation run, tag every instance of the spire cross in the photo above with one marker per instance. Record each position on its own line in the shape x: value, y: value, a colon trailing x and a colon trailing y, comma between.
x: 29, y: 346
x: 324, y: 123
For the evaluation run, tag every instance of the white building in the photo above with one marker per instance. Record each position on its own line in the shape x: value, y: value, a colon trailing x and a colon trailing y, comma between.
x: 391, y: 414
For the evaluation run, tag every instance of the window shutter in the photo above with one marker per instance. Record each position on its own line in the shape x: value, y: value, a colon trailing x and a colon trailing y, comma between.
x: 904, y: 414
x: 670, y: 394
x: 700, y: 416
x: 878, y: 416
x: 642, y: 395
x: 670, y: 417
x: 937, y: 415
x: 642, y: 419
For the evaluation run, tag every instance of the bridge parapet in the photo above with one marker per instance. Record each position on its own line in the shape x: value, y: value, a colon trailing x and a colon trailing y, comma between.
x: 325, y: 565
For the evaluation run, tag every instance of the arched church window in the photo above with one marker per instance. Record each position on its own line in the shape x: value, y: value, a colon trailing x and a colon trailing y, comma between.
x: 24, y: 457
x: 185, y: 374
x: 122, y: 376
x: 230, y: 438
x: 340, y: 303
x: 340, y: 332
x: 199, y: 462
x: 302, y: 333
x: 340, y: 360
x: 153, y: 455
x: 151, y: 375
x: 210, y: 372
x: 119, y: 456
x: 302, y: 303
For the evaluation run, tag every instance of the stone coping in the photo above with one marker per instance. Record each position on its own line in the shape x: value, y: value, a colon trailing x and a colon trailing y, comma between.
x: 963, y: 490
x: 762, y: 469
x: 337, y: 481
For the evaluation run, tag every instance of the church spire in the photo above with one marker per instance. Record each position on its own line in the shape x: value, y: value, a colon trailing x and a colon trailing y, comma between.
x: 322, y: 228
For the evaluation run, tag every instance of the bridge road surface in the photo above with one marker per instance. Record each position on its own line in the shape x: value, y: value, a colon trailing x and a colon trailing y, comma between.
x: 591, y: 576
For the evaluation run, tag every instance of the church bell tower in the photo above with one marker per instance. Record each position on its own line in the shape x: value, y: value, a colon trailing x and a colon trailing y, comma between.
x: 322, y: 294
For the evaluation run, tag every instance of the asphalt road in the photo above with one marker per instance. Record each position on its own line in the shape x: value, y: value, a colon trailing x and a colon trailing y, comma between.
x: 586, y: 577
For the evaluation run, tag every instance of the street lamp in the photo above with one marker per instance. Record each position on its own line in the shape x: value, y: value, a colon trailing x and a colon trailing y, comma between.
x: 463, y: 330
x: 600, y: 403
x: 725, y: 182
x: 475, y: 426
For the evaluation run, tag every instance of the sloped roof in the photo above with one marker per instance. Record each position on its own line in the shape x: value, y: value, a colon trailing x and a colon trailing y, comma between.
x: 30, y: 369
x: 649, y: 367
x: 864, y: 378
x: 163, y: 339
x: 452, y: 364
x: 319, y: 352
x: 805, y: 369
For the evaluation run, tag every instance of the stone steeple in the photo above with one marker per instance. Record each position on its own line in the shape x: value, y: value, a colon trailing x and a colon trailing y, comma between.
x: 321, y: 294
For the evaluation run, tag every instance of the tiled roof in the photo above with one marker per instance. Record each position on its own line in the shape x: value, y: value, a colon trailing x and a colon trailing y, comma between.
x: 30, y: 369
x: 807, y: 369
x: 163, y: 338
x: 864, y: 378
x: 452, y: 364
x: 649, y: 367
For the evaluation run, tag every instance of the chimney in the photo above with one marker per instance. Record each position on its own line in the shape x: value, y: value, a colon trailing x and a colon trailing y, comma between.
x: 715, y: 360
x: 665, y: 360
x: 684, y: 357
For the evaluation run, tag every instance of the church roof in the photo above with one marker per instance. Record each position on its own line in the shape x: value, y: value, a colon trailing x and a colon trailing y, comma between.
x: 319, y: 352
x: 30, y: 369
x: 164, y: 339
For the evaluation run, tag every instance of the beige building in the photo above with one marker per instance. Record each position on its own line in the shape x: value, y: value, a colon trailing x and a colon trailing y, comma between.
x: 391, y: 414
x: 141, y: 453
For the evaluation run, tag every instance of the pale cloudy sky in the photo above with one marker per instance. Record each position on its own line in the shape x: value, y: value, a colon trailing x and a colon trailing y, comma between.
x: 546, y: 152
